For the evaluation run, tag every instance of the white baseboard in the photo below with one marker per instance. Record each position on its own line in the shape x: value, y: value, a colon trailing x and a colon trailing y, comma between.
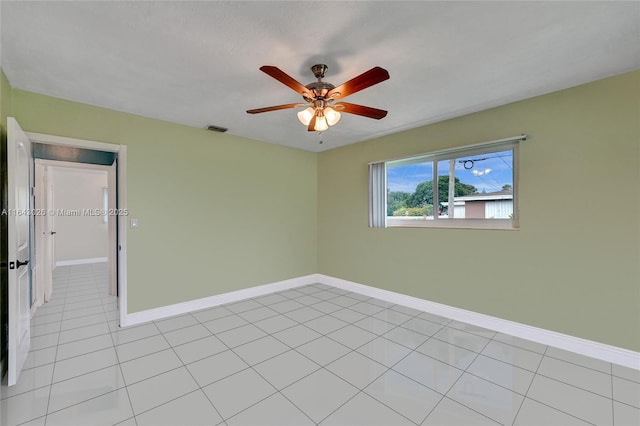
x: 82, y: 261
x: 220, y: 299
x: 578, y: 345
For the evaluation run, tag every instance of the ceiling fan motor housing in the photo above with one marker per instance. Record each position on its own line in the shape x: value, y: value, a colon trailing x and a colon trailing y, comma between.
x: 318, y: 88
x: 319, y: 70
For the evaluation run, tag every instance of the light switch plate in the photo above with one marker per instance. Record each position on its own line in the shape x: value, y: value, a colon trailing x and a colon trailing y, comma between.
x: 134, y: 223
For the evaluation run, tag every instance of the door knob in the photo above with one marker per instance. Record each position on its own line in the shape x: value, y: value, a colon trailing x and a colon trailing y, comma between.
x: 20, y: 263
x: 53, y: 232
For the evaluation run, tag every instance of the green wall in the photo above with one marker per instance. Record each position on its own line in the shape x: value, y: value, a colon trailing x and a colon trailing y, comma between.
x: 5, y: 102
x: 219, y: 213
x: 216, y: 212
x: 573, y: 267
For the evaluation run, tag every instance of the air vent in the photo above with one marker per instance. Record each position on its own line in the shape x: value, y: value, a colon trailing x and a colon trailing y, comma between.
x: 216, y: 128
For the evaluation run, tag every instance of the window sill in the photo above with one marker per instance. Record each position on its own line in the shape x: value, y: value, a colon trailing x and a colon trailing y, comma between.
x: 421, y: 222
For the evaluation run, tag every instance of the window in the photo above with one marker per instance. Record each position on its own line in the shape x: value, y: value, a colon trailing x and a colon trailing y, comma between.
x: 468, y: 187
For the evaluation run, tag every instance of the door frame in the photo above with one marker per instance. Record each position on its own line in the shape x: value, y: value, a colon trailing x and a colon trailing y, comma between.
x: 121, y: 191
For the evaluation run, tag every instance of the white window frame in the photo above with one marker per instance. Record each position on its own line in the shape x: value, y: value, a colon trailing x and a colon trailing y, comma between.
x: 378, y: 191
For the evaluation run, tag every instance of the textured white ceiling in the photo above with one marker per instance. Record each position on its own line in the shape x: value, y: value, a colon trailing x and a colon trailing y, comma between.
x: 197, y: 63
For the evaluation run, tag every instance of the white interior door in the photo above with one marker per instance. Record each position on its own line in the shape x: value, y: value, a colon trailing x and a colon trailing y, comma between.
x: 37, y: 282
x: 18, y: 193
x: 113, y: 228
x: 50, y: 236
x: 42, y: 283
x: 51, y: 224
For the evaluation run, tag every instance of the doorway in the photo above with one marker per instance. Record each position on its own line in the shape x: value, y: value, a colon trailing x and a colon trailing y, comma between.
x: 88, y: 155
x: 21, y: 184
x: 79, y: 226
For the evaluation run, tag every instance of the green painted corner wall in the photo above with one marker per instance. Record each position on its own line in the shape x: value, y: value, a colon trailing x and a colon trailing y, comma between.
x: 5, y: 101
x: 216, y: 213
x: 573, y: 267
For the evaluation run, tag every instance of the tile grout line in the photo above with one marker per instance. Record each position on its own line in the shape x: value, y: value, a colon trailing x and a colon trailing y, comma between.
x: 344, y: 355
x: 559, y: 381
x: 411, y: 350
x: 575, y: 363
x: 277, y: 391
x: 124, y: 382
x: 363, y: 389
x: 267, y: 333
x: 55, y: 361
x: 190, y: 374
x: 253, y: 322
x: 70, y: 378
x: 562, y: 411
x: 293, y: 349
x: 613, y: 406
x: 444, y: 395
x: 530, y: 384
x: 321, y: 367
x: 478, y: 355
x: 575, y: 386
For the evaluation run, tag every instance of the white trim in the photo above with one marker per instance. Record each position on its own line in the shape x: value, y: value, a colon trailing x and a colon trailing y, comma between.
x: 433, y: 155
x: 421, y: 222
x: 78, y: 143
x: 84, y: 167
x: 82, y: 261
x: 578, y: 345
x: 220, y: 299
x: 479, y: 197
x: 122, y: 233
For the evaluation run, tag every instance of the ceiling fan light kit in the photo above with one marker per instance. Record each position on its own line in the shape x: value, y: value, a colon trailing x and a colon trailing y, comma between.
x: 327, y: 115
x: 321, y: 111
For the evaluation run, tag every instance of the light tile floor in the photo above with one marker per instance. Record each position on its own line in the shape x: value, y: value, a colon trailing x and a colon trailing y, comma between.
x: 315, y: 355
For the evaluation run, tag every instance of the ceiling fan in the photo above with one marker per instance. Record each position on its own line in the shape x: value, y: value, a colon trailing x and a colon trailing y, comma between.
x: 320, y: 96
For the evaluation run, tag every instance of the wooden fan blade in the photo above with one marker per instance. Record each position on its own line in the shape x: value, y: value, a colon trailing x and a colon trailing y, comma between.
x: 367, y: 79
x: 285, y: 79
x: 362, y: 110
x: 273, y: 108
x: 312, y: 124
